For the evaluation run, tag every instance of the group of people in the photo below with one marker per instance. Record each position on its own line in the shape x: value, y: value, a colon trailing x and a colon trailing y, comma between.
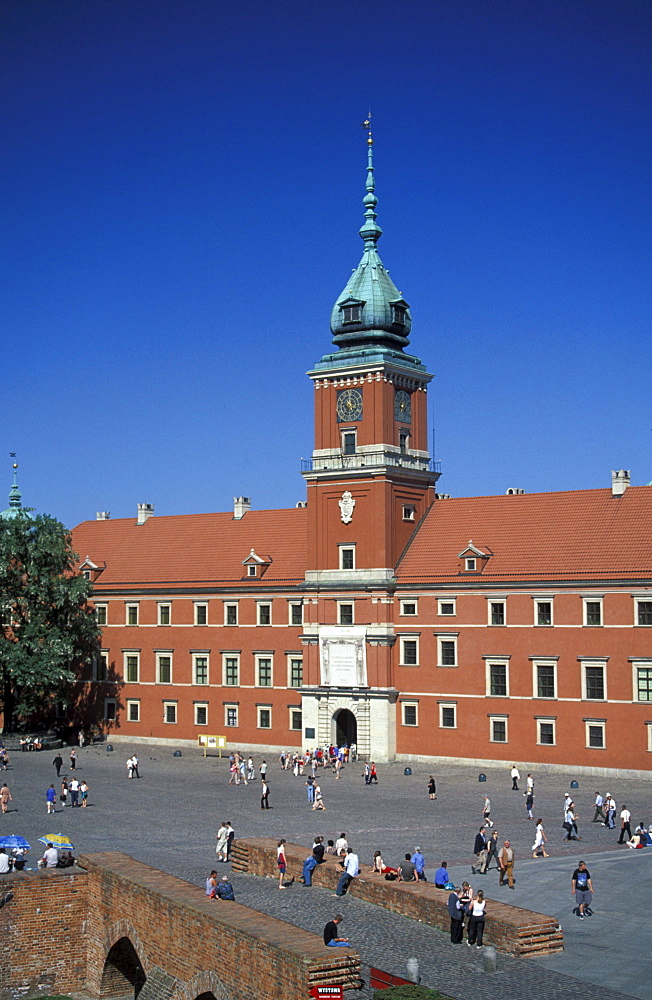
x: 463, y: 903
x: 132, y: 767
x: 219, y: 888
x: 224, y: 841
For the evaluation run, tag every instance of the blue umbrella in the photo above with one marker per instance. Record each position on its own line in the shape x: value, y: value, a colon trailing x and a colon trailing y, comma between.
x: 12, y: 840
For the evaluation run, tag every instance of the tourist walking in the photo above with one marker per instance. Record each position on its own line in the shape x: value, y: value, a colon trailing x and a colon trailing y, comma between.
x: 456, y: 913
x: 63, y: 797
x: 264, y: 798
x: 282, y: 863
x: 58, y: 763
x: 529, y: 803
x: 221, y: 839
x: 230, y: 837
x: 515, y: 777
x: 73, y: 759
x: 598, y: 815
x: 263, y: 770
x: 432, y: 788
x: 492, y: 852
x: 540, y: 839
x: 51, y: 799
x: 319, y: 799
x: 486, y: 811
x: 582, y: 888
x: 74, y: 792
x: 625, y: 828
x: 5, y: 797
x: 506, y: 864
x: 480, y: 851
x: 83, y: 794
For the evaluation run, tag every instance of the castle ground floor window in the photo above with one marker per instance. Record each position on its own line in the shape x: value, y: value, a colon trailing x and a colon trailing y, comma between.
x: 110, y: 709
x: 448, y: 715
x: 498, y: 728
x: 231, y: 716
x: 296, y: 719
x: 133, y: 710
x: 546, y: 732
x: 264, y: 716
x: 201, y: 713
x: 595, y: 733
x: 169, y: 712
x: 410, y: 713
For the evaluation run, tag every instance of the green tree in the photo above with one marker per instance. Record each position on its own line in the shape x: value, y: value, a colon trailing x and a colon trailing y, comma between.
x: 48, y: 626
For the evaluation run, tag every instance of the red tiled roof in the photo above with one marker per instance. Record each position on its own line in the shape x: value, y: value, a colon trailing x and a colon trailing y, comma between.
x: 584, y: 534
x: 195, y: 548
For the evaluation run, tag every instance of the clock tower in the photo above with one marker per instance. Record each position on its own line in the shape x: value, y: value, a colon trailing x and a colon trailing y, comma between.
x: 370, y: 481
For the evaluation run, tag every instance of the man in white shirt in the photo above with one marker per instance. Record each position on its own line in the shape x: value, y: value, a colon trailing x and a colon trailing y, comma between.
x: 625, y: 828
x: 351, y: 863
x: 515, y: 776
x: 51, y: 856
x: 4, y: 862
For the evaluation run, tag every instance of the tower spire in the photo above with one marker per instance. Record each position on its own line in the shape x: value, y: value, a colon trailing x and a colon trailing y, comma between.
x: 370, y: 231
x: 15, y: 508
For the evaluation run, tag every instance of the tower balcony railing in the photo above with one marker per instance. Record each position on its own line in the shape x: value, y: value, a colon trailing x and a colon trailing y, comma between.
x: 370, y: 460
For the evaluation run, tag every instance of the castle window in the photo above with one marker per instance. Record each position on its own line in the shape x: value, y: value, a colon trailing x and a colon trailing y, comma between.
x: 296, y: 672
x: 170, y: 712
x: 498, y: 729
x: 201, y: 614
x: 101, y: 614
x: 410, y: 713
x: 164, y: 614
x: 164, y: 668
x: 200, y: 669
x: 644, y: 612
x: 133, y: 710
x: 345, y: 614
x: 347, y: 557
x: 296, y: 614
x: 595, y: 734
x: 593, y: 612
x: 398, y: 315
x: 348, y: 442
x: 546, y: 732
x: 448, y: 716
x: 543, y: 612
x: 201, y: 714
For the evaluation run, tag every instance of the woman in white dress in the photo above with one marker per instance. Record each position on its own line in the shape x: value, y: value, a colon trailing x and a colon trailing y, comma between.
x: 539, y: 845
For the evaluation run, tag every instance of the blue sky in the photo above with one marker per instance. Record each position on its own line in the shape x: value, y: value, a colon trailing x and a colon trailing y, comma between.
x: 182, y: 189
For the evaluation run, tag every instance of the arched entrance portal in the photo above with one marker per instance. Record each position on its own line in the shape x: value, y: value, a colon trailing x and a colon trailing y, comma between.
x: 345, y: 728
x: 122, y: 971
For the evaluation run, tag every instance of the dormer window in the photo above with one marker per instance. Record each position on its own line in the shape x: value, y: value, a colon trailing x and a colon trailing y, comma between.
x: 351, y: 314
x: 398, y: 315
x: 252, y: 570
x: 470, y: 565
x: 473, y: 559
x: 255, y: 565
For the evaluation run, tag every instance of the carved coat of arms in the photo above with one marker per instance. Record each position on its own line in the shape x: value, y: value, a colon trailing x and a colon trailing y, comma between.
x: 347, y: 503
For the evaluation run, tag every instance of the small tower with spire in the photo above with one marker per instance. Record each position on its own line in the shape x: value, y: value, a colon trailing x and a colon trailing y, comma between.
x: 15, y: 508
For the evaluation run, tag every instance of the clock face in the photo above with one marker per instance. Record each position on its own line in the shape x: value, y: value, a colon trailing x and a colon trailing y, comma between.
x: 349, y: 404
x: 403, y: 406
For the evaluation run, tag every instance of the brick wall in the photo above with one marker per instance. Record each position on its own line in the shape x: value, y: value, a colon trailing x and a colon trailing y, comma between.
x: 509, y: 928
x: 156, y: 930
x: 42, y: 932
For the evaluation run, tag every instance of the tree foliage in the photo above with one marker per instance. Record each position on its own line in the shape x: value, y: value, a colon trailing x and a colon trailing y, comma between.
x: 48, y: 626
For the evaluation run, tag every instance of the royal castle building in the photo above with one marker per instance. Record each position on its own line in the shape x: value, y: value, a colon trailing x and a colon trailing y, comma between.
x: 509, y: 628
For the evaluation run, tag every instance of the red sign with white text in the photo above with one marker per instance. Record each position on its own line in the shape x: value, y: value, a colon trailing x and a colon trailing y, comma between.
x: 327, y: 992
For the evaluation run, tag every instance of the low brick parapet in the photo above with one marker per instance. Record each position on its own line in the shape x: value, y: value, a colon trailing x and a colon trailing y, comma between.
x: 510, y: 929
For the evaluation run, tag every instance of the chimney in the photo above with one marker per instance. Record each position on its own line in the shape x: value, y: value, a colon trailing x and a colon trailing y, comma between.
x: 103, y: 515
x: 145, y: 511
x: 620, y: 480
x: 240, y: 507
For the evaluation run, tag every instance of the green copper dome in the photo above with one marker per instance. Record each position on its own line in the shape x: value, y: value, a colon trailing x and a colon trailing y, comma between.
x: 371, y: 312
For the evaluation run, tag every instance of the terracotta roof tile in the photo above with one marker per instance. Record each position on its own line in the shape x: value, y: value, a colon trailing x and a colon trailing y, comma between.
x: 584, y: 534
x: 195, y: 548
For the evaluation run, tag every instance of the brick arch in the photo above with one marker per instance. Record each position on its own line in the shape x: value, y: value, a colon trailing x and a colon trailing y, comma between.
x: 204, y: 985
x: 129, y: 964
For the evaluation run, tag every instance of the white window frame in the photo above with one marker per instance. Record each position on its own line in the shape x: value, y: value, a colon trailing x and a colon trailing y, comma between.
x: 499, y: 602
x: 348, y: 432
x: 167, y: 653
x: 260, y: 606
x: 231, y: 707
x: 128, y: 608
x: 409, y: 512
x: 259, y: 710
x: 593, y: 663
x: 543, y: 661
x: 110, y: 709
x: 471, y: 564
x: 411, y: 602
x: 227, y: 606
x: 446, y: 600
x: 197, y: 605
x: 637, y: 601
x: 291, y: 658
x: 345, y: 604
x: 546, y: 721
x: 258, y: 658
x: 410, y: 705
x: 201, y: 655
x: 447, y: 705
x: 292, y: 711
x: 133, y: 703
x: 499, y: 661
x: 648, y: 726
x: 346, y: 548
x: 252, y: 569
x: 292, y: 606
x: 161, y: 606
x: 445, y: 637
x: 409, y: 639
x: 498, y: 718
x: 170, y: 704
x: 127, y: 653
x: 230, y: 656
x: 640, y: 663
x: 592, y: 600
x: 197, y: 706
x: 104, y: 608
x: 544, y: 600
x: 599, y: 724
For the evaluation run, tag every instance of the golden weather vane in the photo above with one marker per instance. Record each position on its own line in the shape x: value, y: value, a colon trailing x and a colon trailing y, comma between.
x: 367, y: 124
